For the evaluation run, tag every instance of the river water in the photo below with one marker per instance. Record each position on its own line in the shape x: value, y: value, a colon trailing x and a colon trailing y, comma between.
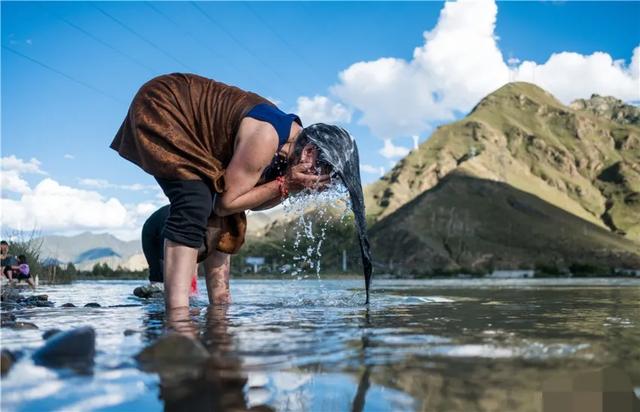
x: 449, y: 345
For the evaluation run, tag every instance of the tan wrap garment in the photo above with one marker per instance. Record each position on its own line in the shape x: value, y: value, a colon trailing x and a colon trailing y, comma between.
x: 183, y: 127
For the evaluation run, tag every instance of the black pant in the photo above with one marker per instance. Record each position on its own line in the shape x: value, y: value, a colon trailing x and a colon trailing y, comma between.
x: 153, y: 242
x: 184, y: 221
x: 191, y: 205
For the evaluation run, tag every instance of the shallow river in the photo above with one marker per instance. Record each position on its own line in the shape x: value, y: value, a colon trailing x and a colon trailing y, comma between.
x: 306, y: 345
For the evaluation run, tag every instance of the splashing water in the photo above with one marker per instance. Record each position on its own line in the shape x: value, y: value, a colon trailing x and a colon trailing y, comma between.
x: 330, y: 206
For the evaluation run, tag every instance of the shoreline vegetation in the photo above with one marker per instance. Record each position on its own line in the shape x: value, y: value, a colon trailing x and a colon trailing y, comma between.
x: 56, y: 273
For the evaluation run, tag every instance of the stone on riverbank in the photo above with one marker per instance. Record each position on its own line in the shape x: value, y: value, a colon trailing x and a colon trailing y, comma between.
x: 76, y: 346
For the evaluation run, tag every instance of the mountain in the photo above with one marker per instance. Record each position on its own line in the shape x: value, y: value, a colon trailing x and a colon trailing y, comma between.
x: 87, y: 249
x: 521, y: 180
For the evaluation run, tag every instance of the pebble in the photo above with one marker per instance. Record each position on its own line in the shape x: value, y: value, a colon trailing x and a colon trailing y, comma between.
x: 68, y: 305
x: 92, y: 305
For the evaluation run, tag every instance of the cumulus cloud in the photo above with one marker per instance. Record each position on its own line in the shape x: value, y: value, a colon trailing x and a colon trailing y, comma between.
x: 367, y: 168
x: 321, y: 109
x: 458, y: 64
x: 53, y: 207
x: 12, y: 170
x: 105, y: 184
x: 389, y: 150
x: 21, y: 166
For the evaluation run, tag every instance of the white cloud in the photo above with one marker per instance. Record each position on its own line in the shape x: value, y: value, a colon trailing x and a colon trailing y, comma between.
x: 321, y: 109
x: 105, y: 184
x: 569, y: 75
x: 12, y: 170
x: 21, y: 166
x: 390, y: 150
x: 12, y: 182
x: 458, y: 64
x: 372, y: 169
x: 69, y: 156
x: 53, y: 207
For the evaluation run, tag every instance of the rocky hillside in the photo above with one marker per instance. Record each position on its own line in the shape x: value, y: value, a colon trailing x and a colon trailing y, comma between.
x: 567, y: 177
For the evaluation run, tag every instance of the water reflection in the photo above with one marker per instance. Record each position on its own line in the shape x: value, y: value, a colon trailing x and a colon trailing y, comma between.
x: 214, y: 383
x: 465, y: 346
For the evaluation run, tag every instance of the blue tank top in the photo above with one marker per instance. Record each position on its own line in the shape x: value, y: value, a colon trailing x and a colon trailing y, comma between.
x: 280, y: 120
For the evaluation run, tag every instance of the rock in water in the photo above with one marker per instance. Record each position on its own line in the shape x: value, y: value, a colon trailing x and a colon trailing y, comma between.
x: 148, y: 291
x: 170, y: 351
x: 49, y: 333
x: 7, y: 359
x: 7, y: 319
x: 76, y: 346
x: 10, y: 294
x: 24, y: 325
x: 68, y: 305
x: 92, y: 305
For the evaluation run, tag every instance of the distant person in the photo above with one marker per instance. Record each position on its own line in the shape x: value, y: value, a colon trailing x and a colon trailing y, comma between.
x: 216, y: 151
x: 6, y: 260
x: 21, y: 271
x: 153, y: 249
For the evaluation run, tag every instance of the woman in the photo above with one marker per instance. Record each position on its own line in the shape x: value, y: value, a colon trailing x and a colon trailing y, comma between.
x: 216, y: 151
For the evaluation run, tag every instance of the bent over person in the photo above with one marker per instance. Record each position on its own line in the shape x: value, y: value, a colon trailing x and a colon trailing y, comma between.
x: 216, y: 151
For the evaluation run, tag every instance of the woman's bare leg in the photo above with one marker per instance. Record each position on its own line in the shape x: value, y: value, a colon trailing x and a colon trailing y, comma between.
x: 179, y: 266
x: 217, y: 267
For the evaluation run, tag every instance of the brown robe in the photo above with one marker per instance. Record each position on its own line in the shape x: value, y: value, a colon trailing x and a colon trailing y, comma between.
x: 183, y: 127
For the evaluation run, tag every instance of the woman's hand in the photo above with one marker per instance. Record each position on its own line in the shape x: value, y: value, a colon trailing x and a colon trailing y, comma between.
x: 302, y: 176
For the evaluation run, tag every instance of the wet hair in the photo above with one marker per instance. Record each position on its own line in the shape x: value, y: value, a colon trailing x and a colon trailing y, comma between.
x: 22, y: 259
x: 328, y: 139
x: 4, y: 242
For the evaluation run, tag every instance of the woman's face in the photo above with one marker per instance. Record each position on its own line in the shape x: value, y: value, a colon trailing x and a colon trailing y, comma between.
x: 310, y: 155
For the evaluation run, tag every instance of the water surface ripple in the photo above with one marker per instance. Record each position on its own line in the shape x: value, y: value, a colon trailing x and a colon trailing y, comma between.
x: 308, y: 345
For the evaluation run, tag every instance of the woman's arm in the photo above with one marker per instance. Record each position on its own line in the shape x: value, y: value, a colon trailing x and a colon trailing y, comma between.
x: 254, y: 151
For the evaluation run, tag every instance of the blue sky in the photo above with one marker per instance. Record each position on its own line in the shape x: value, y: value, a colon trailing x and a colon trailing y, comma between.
x: 69, y: 71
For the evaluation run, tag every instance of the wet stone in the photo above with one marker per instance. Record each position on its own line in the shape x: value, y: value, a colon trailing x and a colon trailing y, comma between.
x: 23, y: 325
x: 172, y: 350
x: 148, y: 291
x: 49, y: 333
x: 68, y: 305
x: 7, y: 359
x: 10, y: 294
x: 92, y: 305
x: 7, y: 318
x: 76, y: 346
x: 129, y: 332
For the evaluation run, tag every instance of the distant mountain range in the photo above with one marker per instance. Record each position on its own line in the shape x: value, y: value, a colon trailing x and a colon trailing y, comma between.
x: 87, y: 249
